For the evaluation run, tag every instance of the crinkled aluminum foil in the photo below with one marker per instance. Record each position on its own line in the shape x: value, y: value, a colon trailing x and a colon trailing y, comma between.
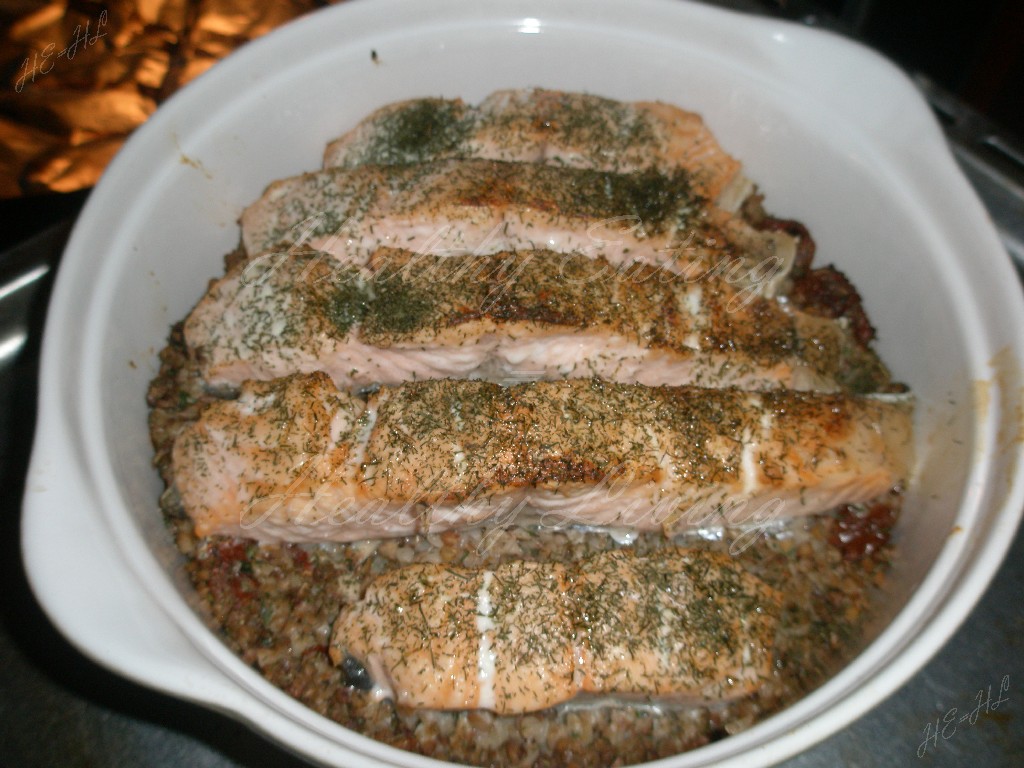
x: 80, y: 76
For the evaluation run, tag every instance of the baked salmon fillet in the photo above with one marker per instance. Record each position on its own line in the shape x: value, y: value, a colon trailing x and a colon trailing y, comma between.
x: 480, y: 207
x: 513, y: 316
x: 675, y: 625
x: 575, y: 130
x: 295, y: 459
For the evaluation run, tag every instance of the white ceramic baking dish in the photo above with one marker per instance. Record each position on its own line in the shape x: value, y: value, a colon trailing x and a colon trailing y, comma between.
x: 837, y: 137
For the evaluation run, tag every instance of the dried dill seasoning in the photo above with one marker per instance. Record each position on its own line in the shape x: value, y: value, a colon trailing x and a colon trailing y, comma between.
x: 422, y: 131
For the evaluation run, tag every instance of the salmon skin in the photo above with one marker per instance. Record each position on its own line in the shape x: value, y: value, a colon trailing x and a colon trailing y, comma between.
x: 295, y: 459
x: 480, y: 207
x: 574, y: 130
x: 674, y: 625
x: 510, y: 317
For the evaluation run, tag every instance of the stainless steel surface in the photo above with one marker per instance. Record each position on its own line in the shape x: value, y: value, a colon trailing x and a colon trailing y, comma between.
x: 992, y: 160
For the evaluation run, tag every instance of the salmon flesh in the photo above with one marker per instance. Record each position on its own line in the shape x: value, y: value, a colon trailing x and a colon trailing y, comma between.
x: 674, y: 625
x: 295, y: 459
x: 511, y: 317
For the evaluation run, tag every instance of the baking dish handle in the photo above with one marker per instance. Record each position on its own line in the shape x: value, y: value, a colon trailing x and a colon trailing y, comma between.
x: 84, y: 586
x: 88, y: 591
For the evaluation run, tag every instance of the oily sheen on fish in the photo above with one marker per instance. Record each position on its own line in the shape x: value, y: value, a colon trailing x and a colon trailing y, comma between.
x: 559, y: 128
x: 672, y: 625
x: 295, y: 459
x: 510, y: 317
x: 480, y: 207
